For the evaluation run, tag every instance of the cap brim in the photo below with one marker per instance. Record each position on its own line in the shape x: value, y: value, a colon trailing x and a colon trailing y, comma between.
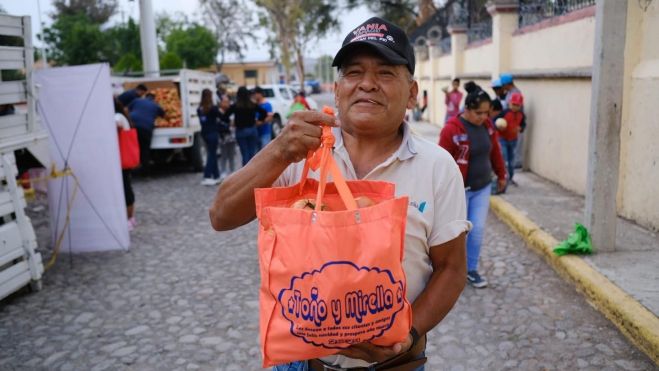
x: 386, y: 53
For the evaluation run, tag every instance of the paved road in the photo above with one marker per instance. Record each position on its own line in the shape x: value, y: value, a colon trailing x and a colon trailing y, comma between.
x: 185, y: 298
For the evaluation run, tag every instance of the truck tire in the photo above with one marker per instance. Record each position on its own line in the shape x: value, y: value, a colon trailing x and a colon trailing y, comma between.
x: 277, y: 126
x: 195, y: 154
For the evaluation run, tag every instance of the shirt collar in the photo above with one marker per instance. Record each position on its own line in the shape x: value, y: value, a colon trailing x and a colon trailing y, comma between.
x: 406, y: 150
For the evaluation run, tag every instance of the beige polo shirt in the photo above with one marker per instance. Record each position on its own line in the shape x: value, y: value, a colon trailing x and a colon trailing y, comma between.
x: 429, y: 176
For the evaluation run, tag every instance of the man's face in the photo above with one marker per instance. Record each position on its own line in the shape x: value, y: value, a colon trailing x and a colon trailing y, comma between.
x: 372, y: 95
x: 257, y: 97
x: 456, y: 85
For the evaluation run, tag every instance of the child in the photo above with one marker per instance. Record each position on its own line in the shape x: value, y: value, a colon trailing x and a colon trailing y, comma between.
x: 515, y: 123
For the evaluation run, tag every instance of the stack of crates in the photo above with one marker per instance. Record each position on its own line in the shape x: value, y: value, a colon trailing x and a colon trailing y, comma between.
x: 20, y: 264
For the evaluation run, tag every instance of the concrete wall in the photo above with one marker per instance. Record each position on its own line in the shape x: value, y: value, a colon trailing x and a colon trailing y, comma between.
x: 558, y: 116
x: 638, y: 198
x: 565, y: 45
x: 551, y: 62
x: 478, y: 59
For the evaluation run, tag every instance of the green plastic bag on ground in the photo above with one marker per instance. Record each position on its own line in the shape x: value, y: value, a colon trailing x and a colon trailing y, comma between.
x: 578, y: 242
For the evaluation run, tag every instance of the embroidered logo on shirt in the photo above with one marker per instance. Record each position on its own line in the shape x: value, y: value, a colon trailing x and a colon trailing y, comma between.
x: 420, y: 207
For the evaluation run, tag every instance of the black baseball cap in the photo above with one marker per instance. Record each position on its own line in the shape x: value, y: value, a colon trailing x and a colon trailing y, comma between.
x: 381, y: 36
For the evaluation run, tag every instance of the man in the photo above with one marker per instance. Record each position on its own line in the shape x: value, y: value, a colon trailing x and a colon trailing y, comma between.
x: 499, y: 93
x: 143, y: 113
x: 374, y: 88
x: 265, y: 129
x: 129, y: 96
x: 452, y: 99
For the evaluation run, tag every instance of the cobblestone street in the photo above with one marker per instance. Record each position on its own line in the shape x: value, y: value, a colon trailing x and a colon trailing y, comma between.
x: 185, y: 297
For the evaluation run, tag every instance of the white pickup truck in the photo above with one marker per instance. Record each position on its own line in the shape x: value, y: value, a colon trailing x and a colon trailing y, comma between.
x: 281, y: 97
x: 180, y: 137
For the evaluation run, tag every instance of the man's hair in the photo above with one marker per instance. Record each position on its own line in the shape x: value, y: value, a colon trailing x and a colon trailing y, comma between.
x: 150, y: 95
x: 476, y: 98
x: 456, y: 80
x: 141, y: 87
x: 257, y: 90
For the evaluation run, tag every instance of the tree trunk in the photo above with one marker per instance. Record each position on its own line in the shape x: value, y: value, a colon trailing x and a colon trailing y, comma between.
x: 426, y: 10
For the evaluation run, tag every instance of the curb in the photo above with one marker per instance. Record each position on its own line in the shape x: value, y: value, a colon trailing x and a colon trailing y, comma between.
x: 635, y: 321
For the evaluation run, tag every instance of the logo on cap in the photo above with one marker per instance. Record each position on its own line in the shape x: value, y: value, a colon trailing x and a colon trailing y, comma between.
x: 372, y: 31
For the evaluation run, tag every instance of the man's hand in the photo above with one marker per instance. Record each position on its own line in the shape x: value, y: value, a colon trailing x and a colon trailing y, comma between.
x: 301, y: 134
x: 373, y: 353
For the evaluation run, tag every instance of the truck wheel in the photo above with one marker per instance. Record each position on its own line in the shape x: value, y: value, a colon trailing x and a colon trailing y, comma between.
x: 195, y: 154
x: 277, y: 126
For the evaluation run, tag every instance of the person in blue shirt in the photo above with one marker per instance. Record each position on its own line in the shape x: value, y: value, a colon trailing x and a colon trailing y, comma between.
x: 129, y: 96
x: 265, y: 129
x: 143, y: 113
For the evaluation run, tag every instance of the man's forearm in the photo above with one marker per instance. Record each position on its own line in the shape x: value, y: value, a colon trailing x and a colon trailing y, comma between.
x: 234, y: 203
x: 437, y: 299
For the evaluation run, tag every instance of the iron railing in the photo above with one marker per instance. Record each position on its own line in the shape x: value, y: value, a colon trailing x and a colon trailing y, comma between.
x: 535, y: 11
x: 479, y: 31
x: 445, y: 45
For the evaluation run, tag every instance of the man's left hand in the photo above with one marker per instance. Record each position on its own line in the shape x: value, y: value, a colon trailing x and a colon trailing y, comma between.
x: 373, y: 353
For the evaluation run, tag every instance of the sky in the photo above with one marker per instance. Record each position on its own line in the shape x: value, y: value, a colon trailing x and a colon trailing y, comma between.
x: 256, y: 52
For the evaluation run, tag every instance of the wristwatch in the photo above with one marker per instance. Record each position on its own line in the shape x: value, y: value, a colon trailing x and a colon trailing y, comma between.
x: 415, y: 336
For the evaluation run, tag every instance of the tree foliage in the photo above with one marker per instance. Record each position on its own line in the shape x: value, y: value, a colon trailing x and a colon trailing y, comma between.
x: 231, y: 22
x: 123, y: 39
x: 194, y: 44
x: 74, y: 39
x: 297, y: 23
x: 170, y: 61
x: 97, y: 11
x: 128, y: 62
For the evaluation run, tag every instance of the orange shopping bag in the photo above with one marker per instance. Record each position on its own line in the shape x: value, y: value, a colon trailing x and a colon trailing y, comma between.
x: 331, y: 276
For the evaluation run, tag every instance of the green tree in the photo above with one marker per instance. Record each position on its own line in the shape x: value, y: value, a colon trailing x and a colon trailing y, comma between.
x: 75, y: 39
x: 297, y: 23
x: 129, y: 62
x: 170, y: 61
x: 97, y: 11
x: 195, y: 45
x: 123, y: 39
x: 231, y: 22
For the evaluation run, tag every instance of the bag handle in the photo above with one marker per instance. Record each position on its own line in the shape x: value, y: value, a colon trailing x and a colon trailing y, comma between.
x: 322, y: 159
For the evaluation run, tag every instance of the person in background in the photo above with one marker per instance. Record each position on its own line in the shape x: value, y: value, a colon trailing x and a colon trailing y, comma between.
x: 129, y: 96
x: 123, y: 124
x: 302, y: 96
x: 265, y: 129
x: 452, y: 99
x: 510, y: 88
x: 515, y: 123
x: 499, y: 93
x: 227, y: 140
x: 209, y: 116
x: 473, y: 142
x: 298, y: 105
x: 143, y: 113
x: 495, y: 109
x: 247, y: 115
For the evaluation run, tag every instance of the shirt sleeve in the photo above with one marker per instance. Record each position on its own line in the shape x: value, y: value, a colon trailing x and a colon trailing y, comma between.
x: 449, y: 204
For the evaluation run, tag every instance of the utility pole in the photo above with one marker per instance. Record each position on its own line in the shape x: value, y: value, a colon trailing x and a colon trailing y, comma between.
x: 150, y: 60
x: 605, y: 120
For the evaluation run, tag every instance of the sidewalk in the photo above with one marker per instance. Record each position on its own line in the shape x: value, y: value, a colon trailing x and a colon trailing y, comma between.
x: 545, y: 213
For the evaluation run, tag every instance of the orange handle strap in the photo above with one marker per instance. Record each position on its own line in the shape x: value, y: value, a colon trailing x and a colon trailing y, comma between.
x: 322, y: 159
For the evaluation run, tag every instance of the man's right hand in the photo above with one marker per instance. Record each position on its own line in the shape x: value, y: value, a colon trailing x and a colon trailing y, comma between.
x: 301, y: 134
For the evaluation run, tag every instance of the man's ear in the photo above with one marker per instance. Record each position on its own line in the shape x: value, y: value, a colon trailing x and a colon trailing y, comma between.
x: 414, y: 92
